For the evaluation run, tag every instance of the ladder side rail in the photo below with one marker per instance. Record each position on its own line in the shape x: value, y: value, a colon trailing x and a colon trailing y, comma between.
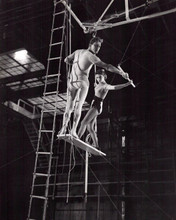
x: 53, y: 128
x: 49, y: 52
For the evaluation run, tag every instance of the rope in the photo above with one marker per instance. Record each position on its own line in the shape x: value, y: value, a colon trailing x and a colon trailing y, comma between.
x: 64, y: 157
x: 70, y: 170
x: 128, y: 45
x: 19, y: 158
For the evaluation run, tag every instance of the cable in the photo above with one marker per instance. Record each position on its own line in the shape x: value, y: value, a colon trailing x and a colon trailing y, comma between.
x: 19, y: 158
x: 64, y: 157
x: 129, y: 43
x: 70, y: 170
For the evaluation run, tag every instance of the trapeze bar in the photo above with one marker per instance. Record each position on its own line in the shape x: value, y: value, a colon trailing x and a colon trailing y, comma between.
x: 81, y: 144
x: 108, y: 25
x: 73, y: 14
x: 128, y: 77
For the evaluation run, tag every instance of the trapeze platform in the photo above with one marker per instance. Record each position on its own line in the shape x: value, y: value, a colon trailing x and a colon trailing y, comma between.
x: 81, y: 144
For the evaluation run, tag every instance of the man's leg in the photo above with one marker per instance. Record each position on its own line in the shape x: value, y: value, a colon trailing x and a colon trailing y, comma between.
x: 71, y: 96
x: 78, y: 109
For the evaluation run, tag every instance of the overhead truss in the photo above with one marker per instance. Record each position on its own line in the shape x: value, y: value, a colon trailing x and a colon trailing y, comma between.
x: 101, y: 24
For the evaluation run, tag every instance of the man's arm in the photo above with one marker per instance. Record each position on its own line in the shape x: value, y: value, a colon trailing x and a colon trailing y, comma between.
x: 120, y: 86
x: 112, y: 69
x: 69, y: 59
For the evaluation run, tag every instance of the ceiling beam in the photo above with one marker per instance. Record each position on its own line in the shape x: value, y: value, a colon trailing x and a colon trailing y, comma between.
x: 22, y: 77
x: 8, y: 94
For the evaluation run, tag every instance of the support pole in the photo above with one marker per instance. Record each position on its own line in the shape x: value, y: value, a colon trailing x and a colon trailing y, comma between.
x: 73, y: 14
x: 86, y: 176
x: 99, y: 20
x: 98, y: 203
x: 174, y: 170
x: 127, y: 10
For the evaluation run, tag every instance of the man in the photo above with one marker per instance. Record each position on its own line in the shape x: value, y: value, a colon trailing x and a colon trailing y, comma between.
x: 82, y: 61
x: 101, y: 90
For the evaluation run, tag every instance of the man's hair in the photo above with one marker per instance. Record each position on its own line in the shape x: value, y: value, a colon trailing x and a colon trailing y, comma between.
x: 95, y: 39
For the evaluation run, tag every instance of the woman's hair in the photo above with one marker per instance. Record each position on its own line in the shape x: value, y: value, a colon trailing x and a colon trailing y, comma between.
x: 101, y: 72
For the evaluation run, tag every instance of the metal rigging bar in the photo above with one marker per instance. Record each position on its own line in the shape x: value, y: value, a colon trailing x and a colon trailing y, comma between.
x: 100, y: 18
x: 101, y: 24
x: 127, y: 10
x: 111, y: 25
x: 73, y: 14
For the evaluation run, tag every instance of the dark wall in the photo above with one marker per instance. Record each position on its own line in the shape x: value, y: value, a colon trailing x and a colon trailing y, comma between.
x: 16, y: 167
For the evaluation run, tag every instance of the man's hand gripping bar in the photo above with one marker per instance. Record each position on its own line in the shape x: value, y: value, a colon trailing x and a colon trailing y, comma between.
x: 128, y: 77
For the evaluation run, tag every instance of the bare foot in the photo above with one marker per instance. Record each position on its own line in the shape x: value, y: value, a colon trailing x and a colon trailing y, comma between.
x: 97, y: 147
x: 62, y: 131
x: 73, y: 133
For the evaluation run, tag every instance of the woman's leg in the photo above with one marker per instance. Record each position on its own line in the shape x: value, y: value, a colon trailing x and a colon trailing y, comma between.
x: 91, y: 114
x: 91, y: 129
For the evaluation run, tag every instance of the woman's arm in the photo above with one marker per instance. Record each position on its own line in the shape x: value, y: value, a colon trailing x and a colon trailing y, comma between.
x: 120, y: 86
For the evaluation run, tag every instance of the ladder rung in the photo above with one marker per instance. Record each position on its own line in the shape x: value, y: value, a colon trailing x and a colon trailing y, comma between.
x: 32, y: 132
x: 33, y: 136
x: 54, y: 44
x: 56, y: 157
x: 42, y: 174
x: 34, y: 140
x: 54, y: 58
x: 59, y: 13
x: 58, y: 2
x: 47, y: 131
x: 52, y: 75
x: 45, y: 153
x: 47, y: 111
x: 58, y: 28
x: 51, y: 93
x: 39, y: 197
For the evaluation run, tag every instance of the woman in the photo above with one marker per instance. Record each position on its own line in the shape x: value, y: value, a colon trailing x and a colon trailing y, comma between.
x: 101, y: 90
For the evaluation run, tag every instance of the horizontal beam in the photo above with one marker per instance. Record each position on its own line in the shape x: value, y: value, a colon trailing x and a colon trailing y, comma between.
x: 22, y: 77
x: 6, y: 94
x: 111, y: 25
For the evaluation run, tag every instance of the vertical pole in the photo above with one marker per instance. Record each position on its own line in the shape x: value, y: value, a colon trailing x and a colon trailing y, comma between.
x: 98, y: 205
x: 127, y: 10
x: 123, y: 189
x: 173, y: 156
x: 70, y: 47
x: 123, y: 203
x: 86, y: 177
